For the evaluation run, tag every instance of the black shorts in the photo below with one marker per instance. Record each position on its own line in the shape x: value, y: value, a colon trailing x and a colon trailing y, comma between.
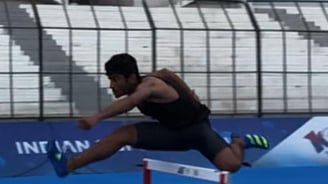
x: 201, y: 137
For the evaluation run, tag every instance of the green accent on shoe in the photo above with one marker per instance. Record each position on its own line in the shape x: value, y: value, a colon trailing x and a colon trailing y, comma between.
x: 258, y: 141
x: 265, y: 142
x: 250, y: 138
x: 58, y: 156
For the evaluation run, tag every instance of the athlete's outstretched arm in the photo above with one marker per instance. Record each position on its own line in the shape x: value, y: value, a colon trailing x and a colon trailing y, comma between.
x: 143, y: 91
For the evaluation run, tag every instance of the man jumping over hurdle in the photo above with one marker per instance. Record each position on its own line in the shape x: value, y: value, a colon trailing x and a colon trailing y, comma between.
x: 181, y: 121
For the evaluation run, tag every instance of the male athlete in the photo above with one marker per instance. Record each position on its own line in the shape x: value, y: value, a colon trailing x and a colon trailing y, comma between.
x: 181, y: 121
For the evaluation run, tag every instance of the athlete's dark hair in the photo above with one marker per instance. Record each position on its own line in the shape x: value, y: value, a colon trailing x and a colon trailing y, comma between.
x: 123, y: 64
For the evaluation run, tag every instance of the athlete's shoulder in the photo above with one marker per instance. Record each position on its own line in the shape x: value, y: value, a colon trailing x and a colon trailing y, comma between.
x: 150, y: 80
x: 162, y: 73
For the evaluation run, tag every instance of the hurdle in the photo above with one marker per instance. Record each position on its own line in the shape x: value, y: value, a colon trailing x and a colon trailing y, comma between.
x: 222, y: 177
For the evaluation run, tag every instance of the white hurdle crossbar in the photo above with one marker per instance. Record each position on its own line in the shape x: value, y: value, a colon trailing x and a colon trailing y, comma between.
x: 182, y: 170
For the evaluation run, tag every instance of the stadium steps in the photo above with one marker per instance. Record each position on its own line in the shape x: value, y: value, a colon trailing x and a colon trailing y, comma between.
x: 85, y: 91
x: 296, y: 22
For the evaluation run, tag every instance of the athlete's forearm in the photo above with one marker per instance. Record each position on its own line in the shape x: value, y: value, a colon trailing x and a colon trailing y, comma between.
x: 117, y: 107
x: 123, y: 105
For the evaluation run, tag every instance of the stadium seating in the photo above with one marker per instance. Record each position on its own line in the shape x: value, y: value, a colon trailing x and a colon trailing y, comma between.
x: 22, y: 87
x: 207, y: 45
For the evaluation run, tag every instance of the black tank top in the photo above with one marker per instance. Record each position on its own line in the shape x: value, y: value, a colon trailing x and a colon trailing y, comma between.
x: 180, y: 113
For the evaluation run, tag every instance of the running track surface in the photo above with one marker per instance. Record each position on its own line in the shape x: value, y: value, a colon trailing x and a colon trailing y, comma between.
x: 282, y: 175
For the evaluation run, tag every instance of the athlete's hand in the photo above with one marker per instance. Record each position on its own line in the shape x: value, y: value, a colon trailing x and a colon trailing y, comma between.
x: 86, y: 123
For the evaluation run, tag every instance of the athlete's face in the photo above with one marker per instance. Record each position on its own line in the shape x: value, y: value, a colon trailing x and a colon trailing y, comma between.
x: 121, y: 85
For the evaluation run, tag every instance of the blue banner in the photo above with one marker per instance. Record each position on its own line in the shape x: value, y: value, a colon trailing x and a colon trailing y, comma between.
x: 23, y: 144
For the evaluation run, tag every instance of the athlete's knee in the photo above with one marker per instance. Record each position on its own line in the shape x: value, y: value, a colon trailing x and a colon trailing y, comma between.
x: 232, y: 164
x: 126, y: 135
